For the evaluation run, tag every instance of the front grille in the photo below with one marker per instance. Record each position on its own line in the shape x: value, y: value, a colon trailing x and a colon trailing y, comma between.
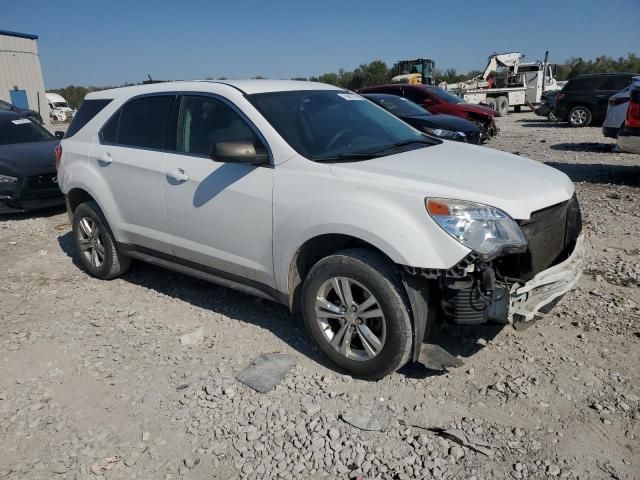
x: 551, y: 234
x: 41, y: 186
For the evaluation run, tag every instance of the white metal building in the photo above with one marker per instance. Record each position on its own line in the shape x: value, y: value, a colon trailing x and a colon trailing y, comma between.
x: 21, y: 81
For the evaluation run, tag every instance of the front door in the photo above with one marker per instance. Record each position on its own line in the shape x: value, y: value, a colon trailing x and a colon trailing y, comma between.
x: 128, y: 159
x: 218, y: 214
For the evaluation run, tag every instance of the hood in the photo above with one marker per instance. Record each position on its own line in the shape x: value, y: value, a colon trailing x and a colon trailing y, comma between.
x: 28, y: 159
x: 517, y: 185
x: 473, y: 108
x: 446, y: 122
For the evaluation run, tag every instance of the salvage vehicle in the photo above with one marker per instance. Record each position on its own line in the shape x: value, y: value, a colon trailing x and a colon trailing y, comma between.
x: 439, y: 101
x: 309, y: 195
x: 446, y: 127
x: 629, y: 136
x: 507, y: 81
x: 418, y: 71
x: 25, y: 112
x: 59, y: 109
x: 28, y: 178
x: 617, y: 110
x: 583, y: 100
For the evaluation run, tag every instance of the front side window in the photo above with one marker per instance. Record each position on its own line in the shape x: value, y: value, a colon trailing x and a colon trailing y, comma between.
x: 335, y: 124
x: 22, y: 130
x: 205, y: 121
x: 139, y: 123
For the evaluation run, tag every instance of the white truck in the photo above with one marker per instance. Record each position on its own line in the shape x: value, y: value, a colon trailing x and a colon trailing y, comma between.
x: 59, y: 109
x: 508, y: 82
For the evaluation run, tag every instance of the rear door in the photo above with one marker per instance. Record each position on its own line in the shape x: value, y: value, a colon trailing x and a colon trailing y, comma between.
x: 129, y: 160
x: 609, y: 87
x: 219, y: 214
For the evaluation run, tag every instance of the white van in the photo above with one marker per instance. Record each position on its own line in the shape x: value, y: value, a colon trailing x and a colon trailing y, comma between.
x: 59, y: 108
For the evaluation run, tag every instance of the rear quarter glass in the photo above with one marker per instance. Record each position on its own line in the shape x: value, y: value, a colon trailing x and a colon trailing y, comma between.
x: 88, y: 110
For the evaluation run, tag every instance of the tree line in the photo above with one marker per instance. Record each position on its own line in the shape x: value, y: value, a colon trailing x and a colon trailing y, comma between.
x: 378, y: 72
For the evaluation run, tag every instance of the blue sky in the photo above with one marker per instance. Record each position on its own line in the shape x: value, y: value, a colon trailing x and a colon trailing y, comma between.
x: 114, y: 41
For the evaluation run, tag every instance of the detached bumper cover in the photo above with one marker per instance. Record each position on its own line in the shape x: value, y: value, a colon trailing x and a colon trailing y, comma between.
x: 546, y: 287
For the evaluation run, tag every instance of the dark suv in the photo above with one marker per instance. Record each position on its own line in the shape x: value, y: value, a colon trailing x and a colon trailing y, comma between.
x: 583, y: 100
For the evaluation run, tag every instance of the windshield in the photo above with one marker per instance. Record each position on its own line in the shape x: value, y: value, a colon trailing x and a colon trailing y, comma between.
x: 443, y: 95
x: 22, y: 130
x: 398, y: 105
x: 60, y: 104
x: 327, y: 124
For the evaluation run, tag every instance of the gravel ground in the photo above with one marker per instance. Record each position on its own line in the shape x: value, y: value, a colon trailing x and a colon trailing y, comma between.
x: 96, y: 381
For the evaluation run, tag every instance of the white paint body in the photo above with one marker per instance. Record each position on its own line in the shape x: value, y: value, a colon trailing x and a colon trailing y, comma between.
x: 251, y: 220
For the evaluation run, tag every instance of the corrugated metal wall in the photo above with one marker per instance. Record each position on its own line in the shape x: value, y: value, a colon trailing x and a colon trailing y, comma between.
x: 20, y: 67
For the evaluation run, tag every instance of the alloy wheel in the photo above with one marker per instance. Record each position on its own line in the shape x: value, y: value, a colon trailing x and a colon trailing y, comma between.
x: 350, y: 318
x: 91, y: 242
x: 579, y: 117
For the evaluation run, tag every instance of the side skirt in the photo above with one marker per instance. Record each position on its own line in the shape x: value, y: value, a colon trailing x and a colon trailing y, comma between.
x: 202, y: 272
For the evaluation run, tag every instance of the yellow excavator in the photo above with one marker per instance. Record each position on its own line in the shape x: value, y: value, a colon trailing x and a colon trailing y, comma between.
x: 417, y: 71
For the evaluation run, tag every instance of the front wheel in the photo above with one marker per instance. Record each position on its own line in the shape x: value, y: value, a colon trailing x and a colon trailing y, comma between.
x: 579, y: 116
x: 355, y: 308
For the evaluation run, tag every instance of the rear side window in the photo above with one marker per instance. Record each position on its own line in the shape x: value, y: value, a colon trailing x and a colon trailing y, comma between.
x: 139, y: 123
x: 616, y: 83
x: 88, y: 109
x: 589, y: 83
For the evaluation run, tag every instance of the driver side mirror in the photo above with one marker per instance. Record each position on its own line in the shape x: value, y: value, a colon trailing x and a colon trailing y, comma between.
x: 240, y: 151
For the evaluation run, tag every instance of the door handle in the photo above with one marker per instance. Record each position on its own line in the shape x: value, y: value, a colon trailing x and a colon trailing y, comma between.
x: 105, y: 159
x: 178, y: 174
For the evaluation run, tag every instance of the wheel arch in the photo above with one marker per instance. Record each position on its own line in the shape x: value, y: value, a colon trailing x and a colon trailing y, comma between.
x: 315, y: 249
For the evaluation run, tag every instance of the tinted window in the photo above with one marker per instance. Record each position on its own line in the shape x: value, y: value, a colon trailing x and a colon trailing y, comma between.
x: 205, y: 121
x: 88, y: 109
x: 22, y: 130
x: 139, y: 123
x: 587, y: 83
x: 443, y: 95
x: 616, y: 83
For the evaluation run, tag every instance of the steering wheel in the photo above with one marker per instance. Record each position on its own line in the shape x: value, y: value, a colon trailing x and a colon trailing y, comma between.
x: 336, y: 137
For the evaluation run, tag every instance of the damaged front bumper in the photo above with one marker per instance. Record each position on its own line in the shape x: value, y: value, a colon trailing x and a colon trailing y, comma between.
x: 546, y: 288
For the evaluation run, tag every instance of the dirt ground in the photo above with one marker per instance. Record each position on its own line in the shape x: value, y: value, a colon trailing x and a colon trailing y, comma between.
x: 96, y: 382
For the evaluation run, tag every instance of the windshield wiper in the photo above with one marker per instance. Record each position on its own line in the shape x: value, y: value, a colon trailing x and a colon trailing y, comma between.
x: 345, y: 157
x: 400, y: 144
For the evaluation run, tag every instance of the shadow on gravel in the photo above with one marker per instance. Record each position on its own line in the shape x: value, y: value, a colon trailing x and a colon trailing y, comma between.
x: 528, y: 123
x: 584, y: 147
x: 276, y: 318
x: 628, y: 175
x: 43, y: 213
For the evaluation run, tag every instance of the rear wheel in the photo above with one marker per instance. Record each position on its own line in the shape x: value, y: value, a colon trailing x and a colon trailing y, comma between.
x: 355, y: 308
x: 491, y: 102
x: 579, y: 116
x: 95, y: 243
x: 502, y: 105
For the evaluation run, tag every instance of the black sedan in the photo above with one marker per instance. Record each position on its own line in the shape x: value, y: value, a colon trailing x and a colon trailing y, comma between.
x: 446, y: 127
x: 27, y: 165
x: 6, y: 106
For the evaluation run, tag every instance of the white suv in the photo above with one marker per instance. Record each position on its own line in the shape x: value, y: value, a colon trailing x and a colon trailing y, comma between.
x: 312, y: 196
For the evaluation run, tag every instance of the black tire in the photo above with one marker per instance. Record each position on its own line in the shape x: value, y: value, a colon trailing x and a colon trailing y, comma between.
x: 92, y: 236
x: 502, y: 105
x: 376, y: 274
x: 491, y: 102
x: 579, y: 116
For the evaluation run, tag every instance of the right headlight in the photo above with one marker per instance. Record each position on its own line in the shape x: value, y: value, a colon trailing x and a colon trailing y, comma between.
x: 7, y: 179
x: 484, y: 229
x: 442, y: 133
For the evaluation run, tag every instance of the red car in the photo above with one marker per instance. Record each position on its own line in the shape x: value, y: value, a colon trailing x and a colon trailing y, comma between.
x: 438, y: 100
